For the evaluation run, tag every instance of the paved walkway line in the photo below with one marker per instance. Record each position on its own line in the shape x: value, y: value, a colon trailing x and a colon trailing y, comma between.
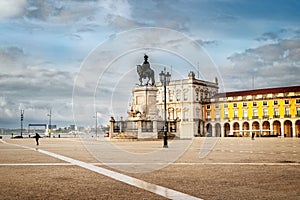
x: 182, y: 164
x: 156, y: 189
x: 36, y: 164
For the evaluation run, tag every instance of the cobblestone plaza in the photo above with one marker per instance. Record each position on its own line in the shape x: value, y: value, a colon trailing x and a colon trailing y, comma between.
x: 234, y: 168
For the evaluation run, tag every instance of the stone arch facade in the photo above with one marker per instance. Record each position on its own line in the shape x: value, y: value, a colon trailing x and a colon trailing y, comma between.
x: 261, y: 128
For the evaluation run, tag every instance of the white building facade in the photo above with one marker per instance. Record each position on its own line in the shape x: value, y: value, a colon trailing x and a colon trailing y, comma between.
x: 185, y: 101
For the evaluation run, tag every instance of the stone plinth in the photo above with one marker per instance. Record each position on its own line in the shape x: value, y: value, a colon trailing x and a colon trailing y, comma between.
x: 143, y: 105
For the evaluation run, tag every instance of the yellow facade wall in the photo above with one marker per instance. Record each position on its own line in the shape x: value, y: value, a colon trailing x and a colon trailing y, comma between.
x: 270, y: 108
x: 293, y: 107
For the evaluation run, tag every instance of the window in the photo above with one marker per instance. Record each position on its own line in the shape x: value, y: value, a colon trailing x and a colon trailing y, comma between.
x: 234, y: 105
x: 297, y: 101
x: 217, y: 106
x: 185, y: 96
x: 208, y: 115
x: 276, y: 113
x: 235, y: 113
x: 171, y: 114
x: 218, y: 114
x: 178, y: 96
x: 287, y: 112
x: 244, y: 104
x: 255, y: 115
x: 201, y: 96
x: 208, y: 107
x: 254, y: 103
x: 245, y: 114
x: 286, y: 102
x: 226, y: 113
x: 206, y: 95
x: 197, y: 96
x: 265, y: 112
x: 225, y: 105
x: 265, y: 103
x: 275, y: 102
x: 298, y: 112
x: 170, y: 95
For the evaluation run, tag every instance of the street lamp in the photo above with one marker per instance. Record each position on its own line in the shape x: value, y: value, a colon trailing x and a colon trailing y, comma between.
x: 96, y: 116
x: 50, y: 126
x: 22, y: 118
x: 165, y: 80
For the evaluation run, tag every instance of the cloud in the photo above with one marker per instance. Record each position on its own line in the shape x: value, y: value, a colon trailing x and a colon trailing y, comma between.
x: 33, y: 86
x: 268, y: 36
x: 207, y: 42
x: 12, y: 9
x: 12, y: 58
x: 161, y: 14
x: 122, y: 23
x: 265, y: 64
x: 100, y: 12
x: 36, y: 91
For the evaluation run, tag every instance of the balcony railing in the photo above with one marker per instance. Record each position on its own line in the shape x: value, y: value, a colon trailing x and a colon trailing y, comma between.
x: 254, y: 117
x: 287, y: 115
x: 276, y: 116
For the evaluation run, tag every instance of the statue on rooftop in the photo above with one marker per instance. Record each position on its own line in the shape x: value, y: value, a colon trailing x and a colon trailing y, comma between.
x: 144, y: 71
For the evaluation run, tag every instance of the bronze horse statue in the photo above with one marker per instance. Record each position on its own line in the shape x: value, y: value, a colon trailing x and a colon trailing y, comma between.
x: 144, y: 71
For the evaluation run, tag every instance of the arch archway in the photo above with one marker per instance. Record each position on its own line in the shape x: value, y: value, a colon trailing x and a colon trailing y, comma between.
x: 226, y: 129
x: 276, y: 128
x: 297, y: 128
x: 246, y: 129
x: 288, y: 131
x: 236, y: 129
x: 208, y: 130
x: 255, y: 128
x: 266, y: 128
x: 218, y: 130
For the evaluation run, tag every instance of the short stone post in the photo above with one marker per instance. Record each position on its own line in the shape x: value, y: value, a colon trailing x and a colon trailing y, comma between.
x: 111, y: 128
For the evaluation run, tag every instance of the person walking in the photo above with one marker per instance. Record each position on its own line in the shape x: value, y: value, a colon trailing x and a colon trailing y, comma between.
x: 37, y: 137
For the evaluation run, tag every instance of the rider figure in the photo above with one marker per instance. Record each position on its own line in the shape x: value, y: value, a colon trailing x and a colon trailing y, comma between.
x: 146, y: 59
x: 146, y: 65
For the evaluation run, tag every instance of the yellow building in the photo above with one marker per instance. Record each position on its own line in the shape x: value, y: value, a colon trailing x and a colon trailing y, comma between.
x: 263, y: 112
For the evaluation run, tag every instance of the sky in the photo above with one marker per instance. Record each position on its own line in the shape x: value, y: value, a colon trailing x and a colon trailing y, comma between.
x: 78, y: 58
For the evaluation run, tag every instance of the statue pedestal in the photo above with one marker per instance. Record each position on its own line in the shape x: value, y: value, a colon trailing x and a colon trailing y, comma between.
x: 143, y: 105
x: 144, y: 111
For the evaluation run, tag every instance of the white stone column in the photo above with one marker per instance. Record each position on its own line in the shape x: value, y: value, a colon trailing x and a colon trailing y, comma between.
x: 213, y: 130
x: 111, y: 128
x: 282, y: 128
x: 294, y: 128
x: 260, y: 128
x: 271, y: 127
x: 222, y: 130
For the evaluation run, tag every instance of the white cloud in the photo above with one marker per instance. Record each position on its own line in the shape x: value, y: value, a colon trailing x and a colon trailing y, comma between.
x: 33, y: 87
x: 12, y: 8
x: 271, y: 65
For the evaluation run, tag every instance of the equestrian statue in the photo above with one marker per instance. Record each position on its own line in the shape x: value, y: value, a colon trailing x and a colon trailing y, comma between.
x: 144, y: 71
